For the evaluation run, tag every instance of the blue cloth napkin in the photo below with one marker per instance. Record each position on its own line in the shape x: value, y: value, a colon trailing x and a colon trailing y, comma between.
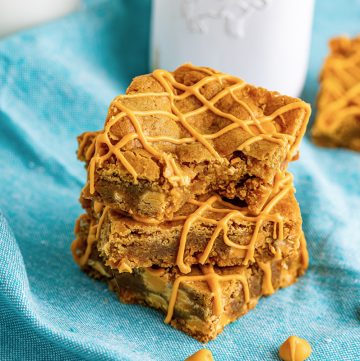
x: 56, y: 81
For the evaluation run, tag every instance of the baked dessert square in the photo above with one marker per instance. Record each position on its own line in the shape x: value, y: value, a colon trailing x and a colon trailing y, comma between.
x: 207, y: 230
x: 177, y: 135
x: 337, y: 123
x: 202, y: 302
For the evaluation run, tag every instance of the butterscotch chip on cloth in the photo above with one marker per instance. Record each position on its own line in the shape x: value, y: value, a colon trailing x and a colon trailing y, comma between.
x: 202, y: 302
x: 337, y: 123
x: 295, y: 349
x: 201, y: 355
x: 177, y: 135
x: 206, y: 230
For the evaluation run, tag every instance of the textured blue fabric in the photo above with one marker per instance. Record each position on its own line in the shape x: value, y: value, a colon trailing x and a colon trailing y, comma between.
x: 56, y: 81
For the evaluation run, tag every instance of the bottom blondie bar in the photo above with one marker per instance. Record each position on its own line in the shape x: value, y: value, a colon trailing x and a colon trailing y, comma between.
x: 202, y: 302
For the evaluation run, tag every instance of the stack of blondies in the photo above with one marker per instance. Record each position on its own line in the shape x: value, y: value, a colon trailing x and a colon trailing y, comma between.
x: 189, y: 207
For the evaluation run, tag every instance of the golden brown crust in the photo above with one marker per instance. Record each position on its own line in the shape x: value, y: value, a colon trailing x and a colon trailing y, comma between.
x: 235, y: 140
x: 338, y: 118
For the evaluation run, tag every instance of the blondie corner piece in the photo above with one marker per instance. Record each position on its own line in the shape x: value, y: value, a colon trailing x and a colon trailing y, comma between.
x: 338, y: 117
x: 176, y: 135
x: 202, y: 302
x: 205, y: 231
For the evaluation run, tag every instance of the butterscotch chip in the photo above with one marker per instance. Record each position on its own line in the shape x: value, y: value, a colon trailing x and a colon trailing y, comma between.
x: 295, y: 349
x: 201, y: 355
x: 177, y: 135
x: 337, y: 123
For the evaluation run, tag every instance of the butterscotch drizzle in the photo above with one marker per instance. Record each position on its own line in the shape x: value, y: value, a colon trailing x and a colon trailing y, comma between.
x: 267, y: 286
x: 98, y: 207
x: 88, y: 136
x: 101, y: 221
x: 82, y: 260
x: 213, y: 280
x: 257, y: 127
x: 93, y: 236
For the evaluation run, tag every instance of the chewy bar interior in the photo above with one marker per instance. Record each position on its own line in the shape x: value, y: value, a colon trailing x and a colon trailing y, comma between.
x: 202, y: 302
x: 337, y: 123
x: 177, y: 135
x: 207, y: 230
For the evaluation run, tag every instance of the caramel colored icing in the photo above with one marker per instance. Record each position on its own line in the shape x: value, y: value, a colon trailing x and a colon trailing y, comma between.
x: 201, y: 355
x: 98, y: 207
x: 93, y: 236
x: 90, y: 150
x: 108, y: 145
x: 267, y: 286
x: 295, y: 349
x: 76, y: 245
x: 340, y: 85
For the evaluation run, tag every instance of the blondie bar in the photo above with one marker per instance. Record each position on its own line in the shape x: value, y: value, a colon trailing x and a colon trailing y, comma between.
x: 205, y: 230
x: 177, y: 135
x: 202, y: 302
x: 338, y: 118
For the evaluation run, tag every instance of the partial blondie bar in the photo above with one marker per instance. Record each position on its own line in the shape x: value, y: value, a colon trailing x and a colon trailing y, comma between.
x: 202, y: 302
x: 207, y: 230
x: 177, y: 135
x: 337, y: 123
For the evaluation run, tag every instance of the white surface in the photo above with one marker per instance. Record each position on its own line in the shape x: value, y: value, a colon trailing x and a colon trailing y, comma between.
x: 265, y: 42
x: 19, y: 14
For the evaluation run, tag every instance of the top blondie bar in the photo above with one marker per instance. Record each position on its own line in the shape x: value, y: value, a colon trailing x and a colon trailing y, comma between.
x: 176, y: 135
